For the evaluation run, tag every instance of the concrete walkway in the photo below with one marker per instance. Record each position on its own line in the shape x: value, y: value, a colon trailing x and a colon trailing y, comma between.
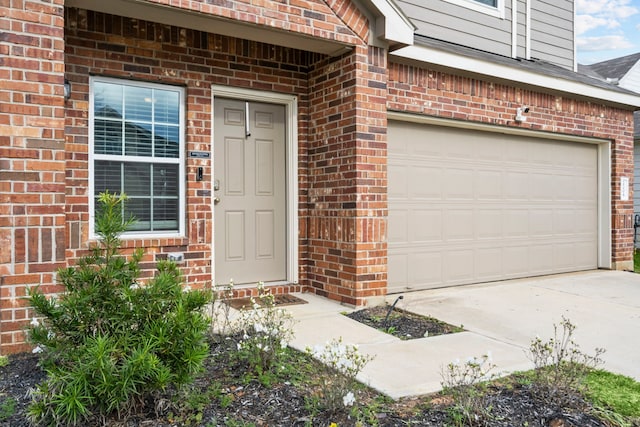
x: 501, y: 317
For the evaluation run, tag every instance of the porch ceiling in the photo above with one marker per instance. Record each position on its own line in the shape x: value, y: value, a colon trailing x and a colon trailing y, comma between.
x: 214, y: 24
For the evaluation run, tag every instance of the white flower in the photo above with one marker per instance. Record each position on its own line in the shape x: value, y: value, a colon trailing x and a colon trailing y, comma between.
x: 318, y: 350
x: 34, y: 322
x: 134, y: 285
x: 258, y: 327
x: 37, y: 350
x: 186, y: 289
x: 426, y: 334
x: 283, y: 344
x: 344, y: 364
x: 349, y: 399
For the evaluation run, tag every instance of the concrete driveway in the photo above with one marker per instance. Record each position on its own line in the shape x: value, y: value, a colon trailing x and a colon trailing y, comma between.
x: 500, y: 317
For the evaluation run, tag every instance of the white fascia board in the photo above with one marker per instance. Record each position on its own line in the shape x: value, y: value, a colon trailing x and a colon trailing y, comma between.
x: 395, y: 25
x: 441, y: 58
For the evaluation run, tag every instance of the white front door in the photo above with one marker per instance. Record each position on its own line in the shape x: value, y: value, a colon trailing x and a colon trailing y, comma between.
x: 250, y: 192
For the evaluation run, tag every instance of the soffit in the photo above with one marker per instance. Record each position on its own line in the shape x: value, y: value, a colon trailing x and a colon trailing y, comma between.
x: 168, y: 15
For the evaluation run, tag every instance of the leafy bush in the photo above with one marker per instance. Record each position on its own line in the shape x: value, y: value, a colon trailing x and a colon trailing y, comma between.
x: 109, y: 341
x: 344, y: 363
x: 560, y: 365
x: 462, y: 381
x: 264, y: 332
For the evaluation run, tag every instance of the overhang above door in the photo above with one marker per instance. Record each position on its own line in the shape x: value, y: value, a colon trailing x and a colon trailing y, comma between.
x: 209, y: 23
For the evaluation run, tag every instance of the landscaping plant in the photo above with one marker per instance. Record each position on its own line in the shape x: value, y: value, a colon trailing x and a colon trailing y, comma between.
x: 263, y: 332
x: 560, y: 365
x: 463, y: 381
x: 108, y: 341
x: 344, y: 362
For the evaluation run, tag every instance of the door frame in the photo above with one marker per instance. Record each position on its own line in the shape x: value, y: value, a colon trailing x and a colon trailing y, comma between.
x: 290, y: 102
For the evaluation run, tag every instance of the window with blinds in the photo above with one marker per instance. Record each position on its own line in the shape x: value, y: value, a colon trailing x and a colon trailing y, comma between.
x: 137, y: 147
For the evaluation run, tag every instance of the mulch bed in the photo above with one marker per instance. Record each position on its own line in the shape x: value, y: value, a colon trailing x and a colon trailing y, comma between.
x: 402, y: 324
x: 17, y: 380
x: 284, y: 404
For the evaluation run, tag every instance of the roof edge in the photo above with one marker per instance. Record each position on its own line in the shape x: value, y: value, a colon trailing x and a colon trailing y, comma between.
x: 392, y: 25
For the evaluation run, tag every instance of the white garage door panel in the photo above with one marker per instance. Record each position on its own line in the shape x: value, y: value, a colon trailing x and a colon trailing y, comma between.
x: 469, y: 207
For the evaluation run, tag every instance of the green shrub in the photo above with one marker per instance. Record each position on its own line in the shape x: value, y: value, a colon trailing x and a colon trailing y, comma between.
x: 7, y: 408
x: 263, y: 335
x: 560, y: 365
x: 464, y: 382
x: 109, y: 341
x: 344, y: 362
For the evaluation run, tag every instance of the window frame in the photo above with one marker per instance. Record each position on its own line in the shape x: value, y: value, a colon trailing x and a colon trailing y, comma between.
x: 180, y: 160
x: 497, y: 11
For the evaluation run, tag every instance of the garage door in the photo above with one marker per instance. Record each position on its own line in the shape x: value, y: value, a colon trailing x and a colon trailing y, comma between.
x: 469, y: 206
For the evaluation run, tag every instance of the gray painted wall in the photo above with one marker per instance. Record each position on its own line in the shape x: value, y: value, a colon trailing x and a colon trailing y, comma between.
x: 551, y: 27
x: 552, y: 31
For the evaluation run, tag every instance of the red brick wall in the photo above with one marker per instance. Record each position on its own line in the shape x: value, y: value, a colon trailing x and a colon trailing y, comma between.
x: 313, y: 18
x: 108, y: 45
x: 419, y: 90
x: 341, y: 121
x: 31, y: 157
x: 121, y: 47
x: 347, y: 176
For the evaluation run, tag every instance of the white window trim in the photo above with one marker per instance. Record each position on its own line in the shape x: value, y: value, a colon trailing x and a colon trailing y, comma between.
x: 497, y: 11
x: 180, y: 161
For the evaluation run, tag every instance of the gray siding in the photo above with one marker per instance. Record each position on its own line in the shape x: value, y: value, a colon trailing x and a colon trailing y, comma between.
x: 551, y: 27
x: 631, y: 80
x: 457, y: 24
x: 522, y: 29
x: 552, y: 31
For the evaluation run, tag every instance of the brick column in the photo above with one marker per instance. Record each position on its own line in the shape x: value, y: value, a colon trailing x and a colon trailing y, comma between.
x: 32, y: 164
x: 348, y: 176
x: 620, y: 126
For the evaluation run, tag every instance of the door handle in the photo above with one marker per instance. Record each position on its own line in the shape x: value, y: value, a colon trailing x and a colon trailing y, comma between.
x: 216, y: 200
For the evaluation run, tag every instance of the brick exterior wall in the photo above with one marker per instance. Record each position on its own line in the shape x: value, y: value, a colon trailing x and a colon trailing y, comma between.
x: 342, y: 140
x: 347, y: 177
x: 133, y: 49
x: 32, y: 157
x: 421, y: 90
x: 313, y: 18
